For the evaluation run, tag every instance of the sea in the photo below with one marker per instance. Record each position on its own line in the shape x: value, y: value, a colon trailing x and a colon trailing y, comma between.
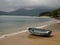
x: 11, y: 24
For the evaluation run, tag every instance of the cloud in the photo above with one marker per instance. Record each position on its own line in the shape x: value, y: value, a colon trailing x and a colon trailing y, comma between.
x: 11, y: 5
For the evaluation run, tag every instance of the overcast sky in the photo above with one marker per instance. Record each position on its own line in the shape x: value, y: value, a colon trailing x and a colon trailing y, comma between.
x: 11, y: 5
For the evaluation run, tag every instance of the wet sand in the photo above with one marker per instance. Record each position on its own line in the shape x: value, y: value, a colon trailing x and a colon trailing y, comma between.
x: 27, y: 39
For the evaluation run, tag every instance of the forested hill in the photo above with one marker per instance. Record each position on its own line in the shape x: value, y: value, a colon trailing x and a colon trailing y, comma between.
x: 54, y: 13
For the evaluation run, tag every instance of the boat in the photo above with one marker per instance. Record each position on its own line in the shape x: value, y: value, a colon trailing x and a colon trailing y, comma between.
x: 40, y: 32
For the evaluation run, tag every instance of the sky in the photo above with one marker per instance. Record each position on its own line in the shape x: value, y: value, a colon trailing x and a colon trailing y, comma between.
x: 11, y: 5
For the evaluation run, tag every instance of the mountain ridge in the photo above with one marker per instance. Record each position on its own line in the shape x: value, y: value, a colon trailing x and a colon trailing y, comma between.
x: 24, y: 12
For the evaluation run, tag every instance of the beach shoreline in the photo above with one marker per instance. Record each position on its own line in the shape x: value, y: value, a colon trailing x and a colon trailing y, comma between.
x: 46, y: 24
x: 24, y: 37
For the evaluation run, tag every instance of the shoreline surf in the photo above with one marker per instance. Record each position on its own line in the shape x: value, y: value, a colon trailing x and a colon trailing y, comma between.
x: 12, y: 34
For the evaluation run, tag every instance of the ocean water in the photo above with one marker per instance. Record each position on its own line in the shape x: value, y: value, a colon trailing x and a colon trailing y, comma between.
x: 10, y: 24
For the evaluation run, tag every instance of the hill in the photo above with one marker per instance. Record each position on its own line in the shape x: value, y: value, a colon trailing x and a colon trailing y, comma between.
x: 54, y: 13
x: 3, y: 13
x: 25, y: 12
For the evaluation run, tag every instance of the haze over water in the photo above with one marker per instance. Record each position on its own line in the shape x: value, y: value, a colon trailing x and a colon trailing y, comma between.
x: 10, y: 24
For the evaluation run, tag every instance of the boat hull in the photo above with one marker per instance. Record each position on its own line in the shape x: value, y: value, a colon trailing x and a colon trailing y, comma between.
x: 40, y: 32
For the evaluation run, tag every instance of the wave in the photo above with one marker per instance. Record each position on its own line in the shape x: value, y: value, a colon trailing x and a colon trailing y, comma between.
x: 12, y: 34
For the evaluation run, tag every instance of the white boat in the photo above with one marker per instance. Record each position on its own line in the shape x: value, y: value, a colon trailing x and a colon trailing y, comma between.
x: 41, y: 32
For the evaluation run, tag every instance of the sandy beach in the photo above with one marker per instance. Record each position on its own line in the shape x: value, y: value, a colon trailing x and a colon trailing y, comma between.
x: 25, y: 38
